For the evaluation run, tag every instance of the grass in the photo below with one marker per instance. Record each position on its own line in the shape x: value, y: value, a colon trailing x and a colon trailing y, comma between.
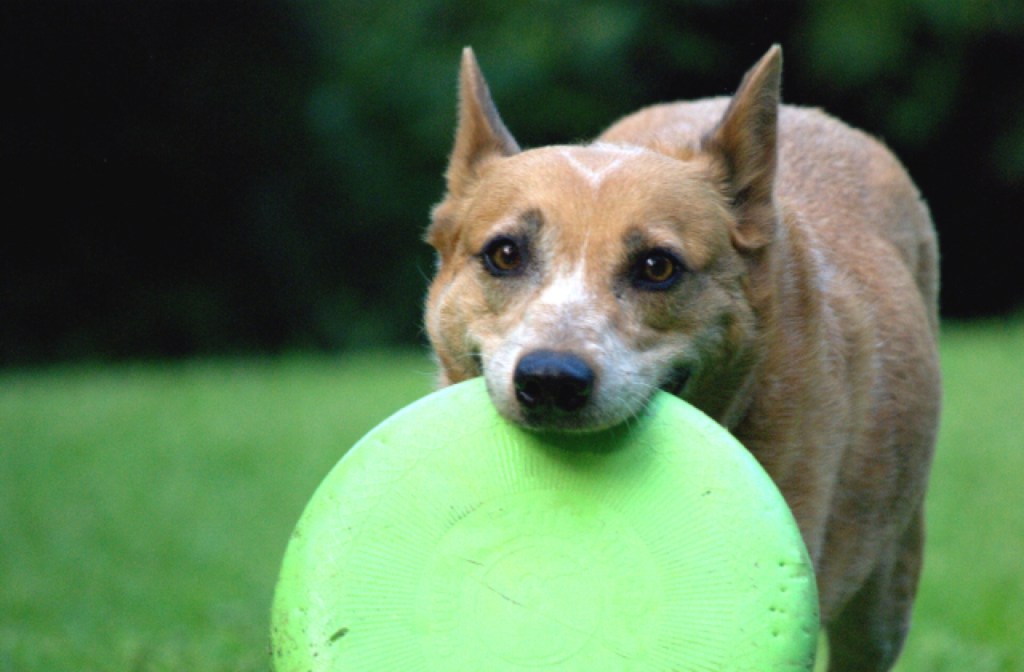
x: 144, y: 509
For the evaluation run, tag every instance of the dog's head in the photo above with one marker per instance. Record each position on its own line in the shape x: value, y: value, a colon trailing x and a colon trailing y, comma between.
x: 578, y: 280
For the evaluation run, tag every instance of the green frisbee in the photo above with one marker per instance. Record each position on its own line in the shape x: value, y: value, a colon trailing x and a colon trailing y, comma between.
x: 450, y: 540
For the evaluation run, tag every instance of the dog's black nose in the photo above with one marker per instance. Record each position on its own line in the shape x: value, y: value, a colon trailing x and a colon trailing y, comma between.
x: 549, y: 381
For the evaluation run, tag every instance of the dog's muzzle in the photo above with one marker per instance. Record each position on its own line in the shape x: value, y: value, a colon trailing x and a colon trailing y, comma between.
x: 551, y: 385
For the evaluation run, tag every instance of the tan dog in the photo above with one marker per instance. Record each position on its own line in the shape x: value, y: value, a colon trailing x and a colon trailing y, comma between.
x: 767, y: 263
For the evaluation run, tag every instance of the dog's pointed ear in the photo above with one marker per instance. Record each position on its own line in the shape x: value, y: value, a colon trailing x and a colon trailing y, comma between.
x: 743, y: 149
x: 481, y: 135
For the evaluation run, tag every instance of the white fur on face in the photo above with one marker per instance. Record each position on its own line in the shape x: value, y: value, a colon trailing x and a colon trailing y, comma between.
x: 567, y: 289
x: 569, y: 316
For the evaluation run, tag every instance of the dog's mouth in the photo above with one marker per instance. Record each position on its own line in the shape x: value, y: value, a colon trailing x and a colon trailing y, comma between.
x: 677, y: 381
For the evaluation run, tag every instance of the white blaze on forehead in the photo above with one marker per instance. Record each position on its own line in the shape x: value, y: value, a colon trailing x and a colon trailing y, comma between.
x: 596, y: 162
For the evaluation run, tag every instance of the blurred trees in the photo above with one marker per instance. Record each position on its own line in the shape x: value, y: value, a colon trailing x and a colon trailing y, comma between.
x: 199, y: 177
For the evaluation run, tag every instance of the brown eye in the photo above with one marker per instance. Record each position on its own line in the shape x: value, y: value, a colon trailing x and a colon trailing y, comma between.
x: 503, y: 256
x: 657, y: 270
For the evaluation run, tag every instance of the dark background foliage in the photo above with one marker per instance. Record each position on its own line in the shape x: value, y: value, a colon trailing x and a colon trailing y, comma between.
x: 197, y: 177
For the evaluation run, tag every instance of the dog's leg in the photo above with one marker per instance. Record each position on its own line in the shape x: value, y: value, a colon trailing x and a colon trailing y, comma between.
x: 868, y: 633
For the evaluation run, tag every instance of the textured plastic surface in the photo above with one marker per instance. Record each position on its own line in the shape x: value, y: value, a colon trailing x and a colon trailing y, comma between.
x: 449, y: 540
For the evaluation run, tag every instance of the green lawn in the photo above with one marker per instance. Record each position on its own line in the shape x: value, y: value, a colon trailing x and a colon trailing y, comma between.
x: 144, y: 509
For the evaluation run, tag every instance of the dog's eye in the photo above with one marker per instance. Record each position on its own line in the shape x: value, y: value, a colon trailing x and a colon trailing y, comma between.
x: 657, y: 270
x: 503, y: 256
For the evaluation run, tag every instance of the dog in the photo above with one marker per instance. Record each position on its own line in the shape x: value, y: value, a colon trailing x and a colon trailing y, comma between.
x: 767, y: 263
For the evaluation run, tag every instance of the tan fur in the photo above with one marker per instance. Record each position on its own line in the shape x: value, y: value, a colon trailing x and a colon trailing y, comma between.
x: 805, y: 319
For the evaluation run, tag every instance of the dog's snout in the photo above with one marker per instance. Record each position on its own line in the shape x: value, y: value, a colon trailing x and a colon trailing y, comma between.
x: 548, y: 381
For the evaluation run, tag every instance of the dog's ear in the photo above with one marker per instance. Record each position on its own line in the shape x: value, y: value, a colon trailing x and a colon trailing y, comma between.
x: 481, y: 135
x: 743, y: 149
